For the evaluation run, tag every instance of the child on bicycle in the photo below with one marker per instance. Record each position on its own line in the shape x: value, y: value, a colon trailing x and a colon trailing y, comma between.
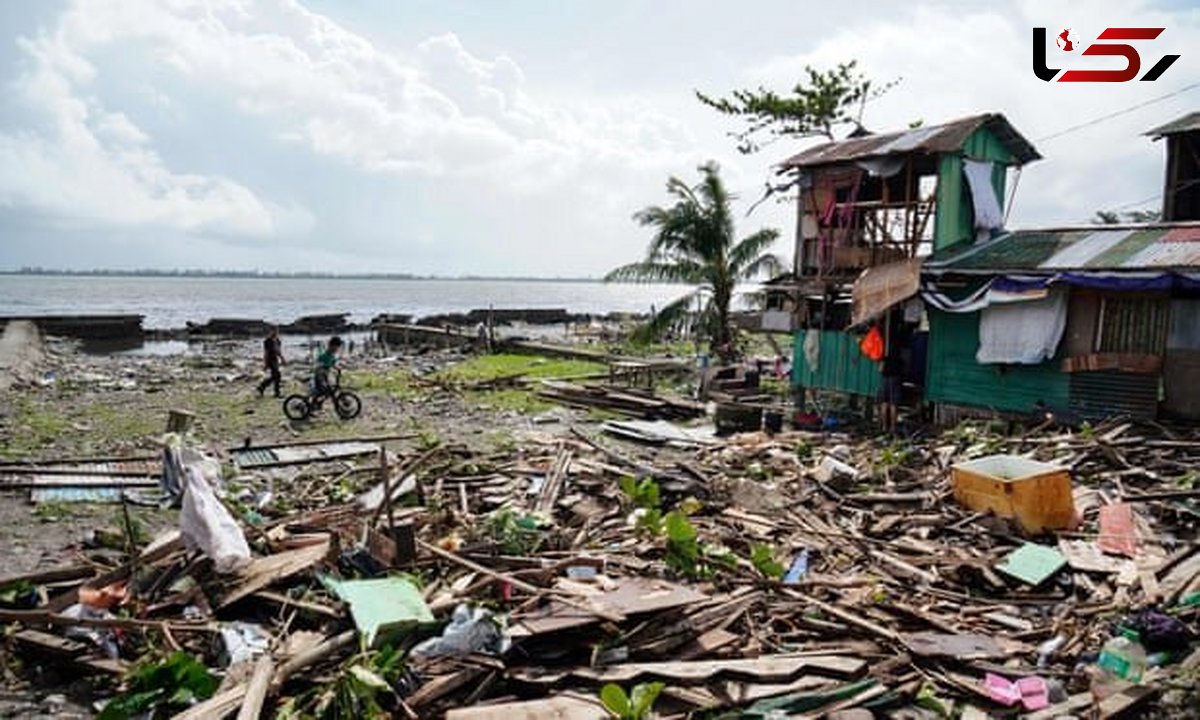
x: 325, y: 364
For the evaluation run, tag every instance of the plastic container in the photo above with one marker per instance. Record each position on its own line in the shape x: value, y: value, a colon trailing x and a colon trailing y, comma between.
x: 1123, y: 657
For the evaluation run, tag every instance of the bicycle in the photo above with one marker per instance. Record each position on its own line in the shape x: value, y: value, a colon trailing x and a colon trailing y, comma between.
x: 345, y: 403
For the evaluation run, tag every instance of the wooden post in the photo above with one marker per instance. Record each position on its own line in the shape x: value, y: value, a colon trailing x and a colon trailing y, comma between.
x: 179, y: 421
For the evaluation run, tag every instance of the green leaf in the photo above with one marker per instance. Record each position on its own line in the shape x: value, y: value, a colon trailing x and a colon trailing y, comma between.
x: 615, y: 700
x: 643, y: 697
x: 679, y: 528
x: 763, y: 558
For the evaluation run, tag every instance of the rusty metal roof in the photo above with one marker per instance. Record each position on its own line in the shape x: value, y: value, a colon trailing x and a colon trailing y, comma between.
x: 945, y: 138
x: 1161, y: 246
x: 1187, y: 123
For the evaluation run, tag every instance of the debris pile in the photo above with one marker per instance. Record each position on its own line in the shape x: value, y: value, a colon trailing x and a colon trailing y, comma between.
x: 787, y: 575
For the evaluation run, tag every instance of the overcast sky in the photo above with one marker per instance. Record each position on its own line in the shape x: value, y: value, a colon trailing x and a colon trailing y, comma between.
x: 503, y: 138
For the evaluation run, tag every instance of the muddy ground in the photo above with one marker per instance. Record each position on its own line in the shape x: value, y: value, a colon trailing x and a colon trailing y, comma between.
x: 80, y: 405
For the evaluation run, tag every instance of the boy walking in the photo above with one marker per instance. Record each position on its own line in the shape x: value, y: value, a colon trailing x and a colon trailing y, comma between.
x: 272, y: 359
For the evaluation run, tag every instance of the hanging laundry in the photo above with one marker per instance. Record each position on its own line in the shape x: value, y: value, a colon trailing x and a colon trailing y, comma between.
x: 983, y: 196
x: 1023, y: 332
x: 812, y: 349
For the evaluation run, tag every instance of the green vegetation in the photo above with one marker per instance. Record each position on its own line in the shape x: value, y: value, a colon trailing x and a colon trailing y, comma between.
x: 818, y: 104
x: 485, y: 368
x: 514, y: 534
x: 162, y: 688
x: 365, y: 688
x: 642, y: 493
x: 762, y: 557
x: 694, y: 243
x: 395, y: 383
x: 637, y: 705
x: 497, y: 368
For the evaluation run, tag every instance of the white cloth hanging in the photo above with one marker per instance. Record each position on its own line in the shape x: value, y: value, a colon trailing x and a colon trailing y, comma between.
x: 1026, y: 333
x: 983, y: 196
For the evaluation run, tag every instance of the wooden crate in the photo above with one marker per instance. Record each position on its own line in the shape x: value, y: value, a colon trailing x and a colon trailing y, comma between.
x: 1037, y: 495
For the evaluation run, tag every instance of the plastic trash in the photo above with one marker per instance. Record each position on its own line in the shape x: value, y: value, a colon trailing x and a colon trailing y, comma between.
x: 471, y: 630
x: 206, y: 524
x: 798, y: 569
x: 242, y: 641
x: 1047, y: 649
x: 103, y: 638
x: 1122, y: 662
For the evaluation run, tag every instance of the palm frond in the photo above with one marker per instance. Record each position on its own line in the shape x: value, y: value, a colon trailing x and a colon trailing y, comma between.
x: 664, y: 320
x: 680, y: 271
x: 750, y: 249
x: 765, y: 265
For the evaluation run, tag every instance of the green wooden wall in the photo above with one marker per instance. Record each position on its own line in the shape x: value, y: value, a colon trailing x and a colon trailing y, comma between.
x: 954, y: 377
x: 953, y: 221
x: 841, y: 366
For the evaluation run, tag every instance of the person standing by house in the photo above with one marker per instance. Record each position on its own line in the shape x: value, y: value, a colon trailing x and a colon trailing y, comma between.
x: 272, y: 360
x: 891, y: 387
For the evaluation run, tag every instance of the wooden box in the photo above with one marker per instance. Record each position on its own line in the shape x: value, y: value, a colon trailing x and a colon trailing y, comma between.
x: 1037, y: 495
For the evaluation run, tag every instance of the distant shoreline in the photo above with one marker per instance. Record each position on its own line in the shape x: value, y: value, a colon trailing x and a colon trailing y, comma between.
x: 256, y: 275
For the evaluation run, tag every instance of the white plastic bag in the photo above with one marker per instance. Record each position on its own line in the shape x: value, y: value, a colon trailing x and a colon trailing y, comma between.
x: 207, y: 525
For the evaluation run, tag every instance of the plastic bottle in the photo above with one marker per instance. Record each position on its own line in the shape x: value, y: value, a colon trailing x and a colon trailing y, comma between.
x: 1123, y: 657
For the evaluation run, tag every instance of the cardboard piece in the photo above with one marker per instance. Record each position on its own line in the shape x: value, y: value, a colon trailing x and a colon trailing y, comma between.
x: 381, y: 604
x: 1117, y: 534
x: 1032, y: 563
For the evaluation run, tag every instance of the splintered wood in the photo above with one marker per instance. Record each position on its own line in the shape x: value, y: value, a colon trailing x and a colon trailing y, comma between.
x: 814, y: 574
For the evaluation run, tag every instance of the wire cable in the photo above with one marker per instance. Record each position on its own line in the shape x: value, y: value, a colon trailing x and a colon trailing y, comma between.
x: 1118, y: 113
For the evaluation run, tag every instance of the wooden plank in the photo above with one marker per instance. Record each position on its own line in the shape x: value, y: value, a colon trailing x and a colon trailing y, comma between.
x: 767, y: 668
x: 264, y: 571
x: 565, y: 706
x: 71, y: 651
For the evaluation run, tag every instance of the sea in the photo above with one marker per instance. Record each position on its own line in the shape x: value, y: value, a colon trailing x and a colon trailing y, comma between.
x: 171, y: 302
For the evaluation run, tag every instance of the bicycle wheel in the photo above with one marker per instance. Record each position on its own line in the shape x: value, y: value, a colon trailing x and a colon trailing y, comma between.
x: 296, y: 407
x: 347, y: 405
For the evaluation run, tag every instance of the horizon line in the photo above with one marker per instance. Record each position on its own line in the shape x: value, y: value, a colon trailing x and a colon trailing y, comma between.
x: 282, y: 274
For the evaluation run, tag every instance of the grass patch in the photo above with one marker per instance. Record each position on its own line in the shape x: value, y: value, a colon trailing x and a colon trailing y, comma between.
x: 523, y: 401
x: 395, y: 383
x: 33, y: 426
x: 482, y: 368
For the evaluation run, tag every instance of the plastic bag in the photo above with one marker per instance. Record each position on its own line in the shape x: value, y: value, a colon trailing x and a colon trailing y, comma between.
x: 872, y: 344
x: 471, y: 630
x: 207, y: 525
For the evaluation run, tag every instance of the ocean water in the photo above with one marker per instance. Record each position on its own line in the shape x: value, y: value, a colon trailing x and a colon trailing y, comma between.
x: 172, y: 302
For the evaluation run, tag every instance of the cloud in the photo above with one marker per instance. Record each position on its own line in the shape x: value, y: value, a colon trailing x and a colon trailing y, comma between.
x: 86, y: 164
x: 439, y: 112
x: 953, y: 62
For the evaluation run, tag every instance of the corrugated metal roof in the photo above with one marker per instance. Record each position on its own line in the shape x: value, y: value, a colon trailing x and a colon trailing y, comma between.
x: 1103, y: 247
x: 947, y: 137
x: 1191, y: 121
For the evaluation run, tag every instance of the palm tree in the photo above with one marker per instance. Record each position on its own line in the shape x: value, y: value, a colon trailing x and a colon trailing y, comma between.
x: 694, y: 244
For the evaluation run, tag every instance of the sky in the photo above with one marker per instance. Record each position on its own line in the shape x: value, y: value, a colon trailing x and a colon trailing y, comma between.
x: 510, y: 138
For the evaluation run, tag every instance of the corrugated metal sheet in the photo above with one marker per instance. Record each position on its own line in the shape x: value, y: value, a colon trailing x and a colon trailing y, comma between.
x: 841, y: 366
x: 1097, y: 395
x: 953, y: 376
x: 1105, y: 248
x: 945, y: 138
x: 1134, y: 325
x: 1187, y: 123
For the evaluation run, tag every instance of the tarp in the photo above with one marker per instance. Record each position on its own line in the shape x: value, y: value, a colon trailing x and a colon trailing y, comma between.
x: 1019, y: 288
x: 879, y: 288
x: 1025, y: 332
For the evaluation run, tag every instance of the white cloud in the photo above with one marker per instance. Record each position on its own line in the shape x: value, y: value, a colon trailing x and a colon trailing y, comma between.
x: 441, y: 112
x: 87, y: 164
x: 954, y: 62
